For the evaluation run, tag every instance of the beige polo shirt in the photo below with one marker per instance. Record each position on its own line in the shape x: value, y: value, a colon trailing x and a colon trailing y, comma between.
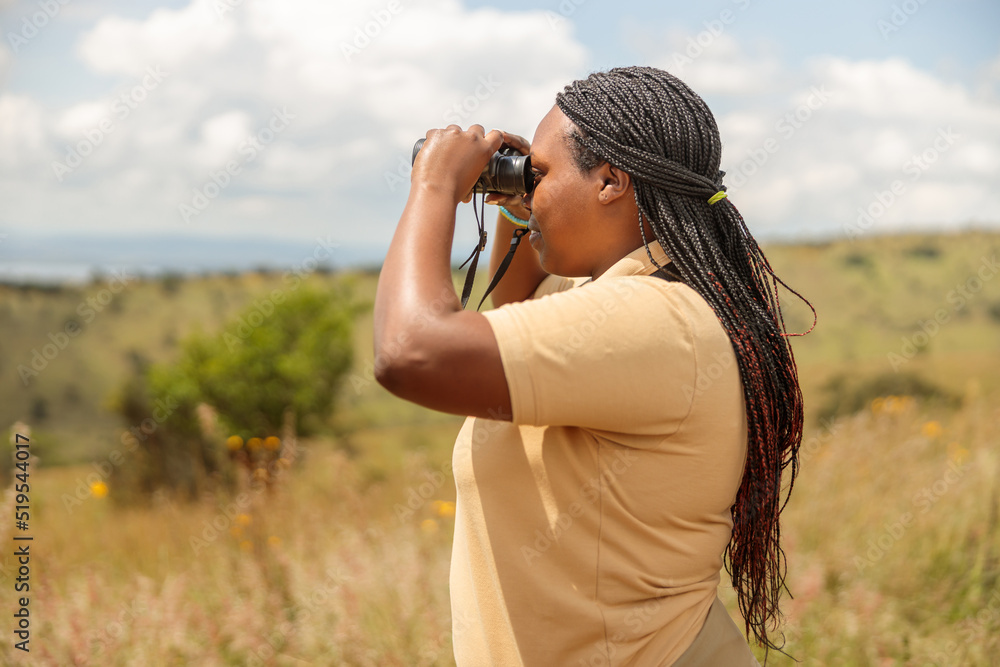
x: 590, y: 529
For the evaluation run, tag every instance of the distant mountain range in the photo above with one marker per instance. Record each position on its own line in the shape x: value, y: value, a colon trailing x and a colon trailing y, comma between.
x: 76, y: 258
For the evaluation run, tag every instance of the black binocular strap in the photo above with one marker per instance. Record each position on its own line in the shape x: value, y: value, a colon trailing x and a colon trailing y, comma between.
x: 470, y: 277
x: 514, y: 241
x: 663, y: 272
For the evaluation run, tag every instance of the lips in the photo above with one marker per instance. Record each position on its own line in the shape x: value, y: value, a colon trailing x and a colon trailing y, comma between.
x: 533, y: 232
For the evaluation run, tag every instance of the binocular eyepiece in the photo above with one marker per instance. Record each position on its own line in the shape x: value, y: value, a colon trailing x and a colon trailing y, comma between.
x: 508, y: 172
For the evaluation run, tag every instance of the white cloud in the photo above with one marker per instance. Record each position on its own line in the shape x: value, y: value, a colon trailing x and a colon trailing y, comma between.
x: 360, y: 81
x: 718, y: 65
x: 809, y: 146
x: 805, y: 146
x: 169, y: 38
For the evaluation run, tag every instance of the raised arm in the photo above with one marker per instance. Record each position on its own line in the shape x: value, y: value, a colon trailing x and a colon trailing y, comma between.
x: 427, y: 349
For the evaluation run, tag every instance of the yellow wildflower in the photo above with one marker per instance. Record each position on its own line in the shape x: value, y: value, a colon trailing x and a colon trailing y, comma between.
x: 274, y: 541
x: 254, y: 444
x: 272, y: 443
x: 931, y: 429
x: 243, y: 519
x: 234, y: 442
x: 98, y: 489
x: 429, y: 526
x: 444, y: 508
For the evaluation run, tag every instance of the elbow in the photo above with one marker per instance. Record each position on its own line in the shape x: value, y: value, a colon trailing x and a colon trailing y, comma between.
x: 397, y: 364
x: 389, y: 375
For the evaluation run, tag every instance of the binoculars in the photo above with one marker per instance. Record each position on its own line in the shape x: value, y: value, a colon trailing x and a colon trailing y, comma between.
x: 508, y: 172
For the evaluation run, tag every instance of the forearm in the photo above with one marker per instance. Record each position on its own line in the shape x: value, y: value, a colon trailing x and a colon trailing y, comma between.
x: 525, y: 272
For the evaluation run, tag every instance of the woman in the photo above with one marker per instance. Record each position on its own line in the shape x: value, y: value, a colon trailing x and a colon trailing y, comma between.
x: 628, y: 427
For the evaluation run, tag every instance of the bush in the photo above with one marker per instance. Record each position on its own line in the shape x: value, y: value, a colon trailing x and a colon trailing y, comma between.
x: 285, y: 355
x: 848, y: 394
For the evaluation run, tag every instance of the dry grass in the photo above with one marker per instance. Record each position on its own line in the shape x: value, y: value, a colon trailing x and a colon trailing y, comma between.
x: 323, y: 572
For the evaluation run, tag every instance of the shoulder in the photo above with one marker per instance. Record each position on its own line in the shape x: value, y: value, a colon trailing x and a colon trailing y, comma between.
x: 641, y: 303
x: 618, y: 354
x: 639, y: 314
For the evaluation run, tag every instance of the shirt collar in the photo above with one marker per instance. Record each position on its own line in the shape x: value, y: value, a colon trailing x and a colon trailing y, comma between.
x: 637, y: 263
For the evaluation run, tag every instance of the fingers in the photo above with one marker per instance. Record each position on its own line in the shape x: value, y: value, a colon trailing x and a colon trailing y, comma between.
x: 518, y: 143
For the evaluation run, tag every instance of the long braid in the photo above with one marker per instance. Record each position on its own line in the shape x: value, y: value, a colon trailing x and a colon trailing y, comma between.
x: 654, y: 127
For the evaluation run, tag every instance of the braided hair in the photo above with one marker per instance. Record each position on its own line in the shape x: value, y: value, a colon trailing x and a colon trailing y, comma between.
x: 654, y: 127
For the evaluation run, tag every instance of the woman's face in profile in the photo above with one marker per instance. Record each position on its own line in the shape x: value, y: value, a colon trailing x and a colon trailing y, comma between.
x: 564, y: 220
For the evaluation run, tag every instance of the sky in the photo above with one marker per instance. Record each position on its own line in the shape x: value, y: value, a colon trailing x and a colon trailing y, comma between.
x: 294, y: 119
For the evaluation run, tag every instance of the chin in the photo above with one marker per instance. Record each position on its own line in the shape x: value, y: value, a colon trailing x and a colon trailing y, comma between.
x: 556, y: 269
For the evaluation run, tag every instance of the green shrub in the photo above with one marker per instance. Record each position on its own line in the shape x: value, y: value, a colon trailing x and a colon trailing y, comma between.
x: 285, y: 354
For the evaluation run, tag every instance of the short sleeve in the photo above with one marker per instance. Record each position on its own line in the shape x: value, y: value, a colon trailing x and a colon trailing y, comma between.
x: 612, y: 355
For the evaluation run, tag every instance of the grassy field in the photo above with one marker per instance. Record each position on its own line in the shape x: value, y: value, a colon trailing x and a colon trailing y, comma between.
x: 891, y: 535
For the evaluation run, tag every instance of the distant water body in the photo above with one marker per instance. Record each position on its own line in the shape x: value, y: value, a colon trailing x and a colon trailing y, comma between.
x: 79, y: 259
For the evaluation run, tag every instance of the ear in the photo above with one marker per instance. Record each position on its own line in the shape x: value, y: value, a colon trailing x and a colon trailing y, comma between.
x: 614, y: 183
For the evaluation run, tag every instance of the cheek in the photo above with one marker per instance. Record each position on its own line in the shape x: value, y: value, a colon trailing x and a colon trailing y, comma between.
x: 560, y: 206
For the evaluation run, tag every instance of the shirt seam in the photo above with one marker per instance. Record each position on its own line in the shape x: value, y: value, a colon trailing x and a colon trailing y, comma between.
x: 600, y: 541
